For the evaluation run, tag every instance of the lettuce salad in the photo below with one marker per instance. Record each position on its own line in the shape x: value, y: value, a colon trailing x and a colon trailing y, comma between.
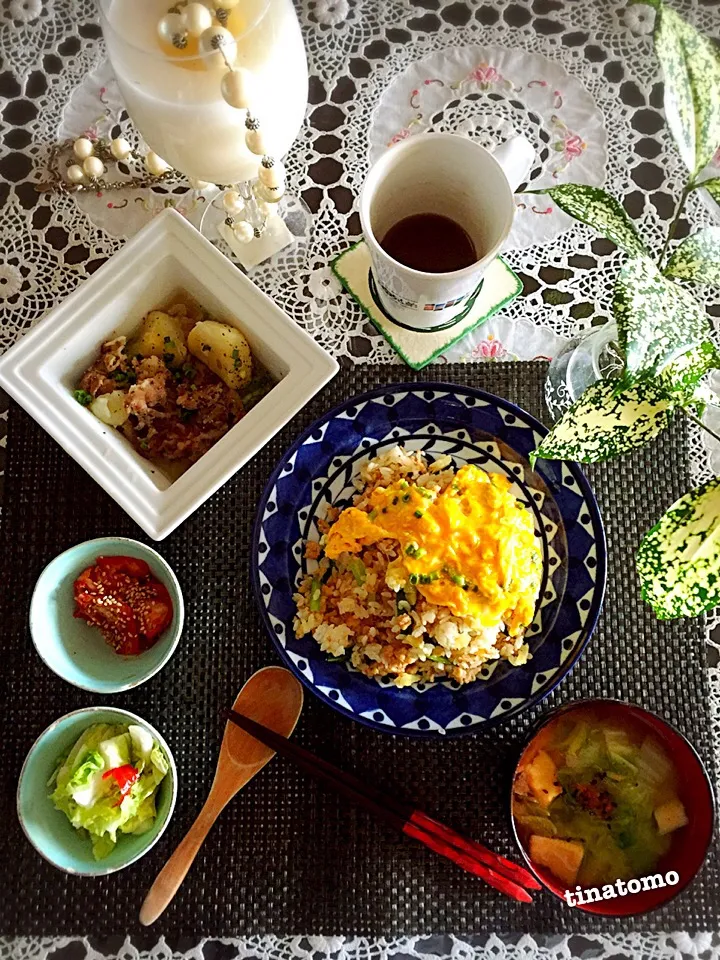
x: 108, y: 783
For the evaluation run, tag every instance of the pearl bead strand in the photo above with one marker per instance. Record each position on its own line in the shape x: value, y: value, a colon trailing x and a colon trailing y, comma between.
x: 217, y: 47
x: 95, y: 155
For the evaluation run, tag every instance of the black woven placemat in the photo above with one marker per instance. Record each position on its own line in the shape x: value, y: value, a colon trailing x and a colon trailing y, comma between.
x: 286, y: 856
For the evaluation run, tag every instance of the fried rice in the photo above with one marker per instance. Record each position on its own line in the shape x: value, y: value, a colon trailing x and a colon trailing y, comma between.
x: 365, y: 601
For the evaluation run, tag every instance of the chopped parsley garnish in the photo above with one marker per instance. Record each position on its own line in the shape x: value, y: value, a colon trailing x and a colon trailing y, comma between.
x: 170, y: 342
x: 419, y: 514
x: 144, y: 444
x: 237, y: 361
x: 124, y: 376
x: 83, y: 397
x: 186, y: 414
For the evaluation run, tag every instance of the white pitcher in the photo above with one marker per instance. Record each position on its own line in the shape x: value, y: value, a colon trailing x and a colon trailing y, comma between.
x: 453, y: 176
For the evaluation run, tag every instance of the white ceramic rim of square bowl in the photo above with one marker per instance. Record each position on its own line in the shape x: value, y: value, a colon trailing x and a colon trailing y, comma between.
x: 166, y: 256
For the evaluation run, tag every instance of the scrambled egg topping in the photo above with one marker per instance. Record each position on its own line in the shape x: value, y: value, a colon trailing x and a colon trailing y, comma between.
x: 470, y: 548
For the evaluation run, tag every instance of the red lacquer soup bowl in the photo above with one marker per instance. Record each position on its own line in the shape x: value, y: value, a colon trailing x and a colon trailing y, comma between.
x: 690, y: 785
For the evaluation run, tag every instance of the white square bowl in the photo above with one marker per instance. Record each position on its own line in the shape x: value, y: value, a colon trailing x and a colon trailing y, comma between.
x: 165, y: 258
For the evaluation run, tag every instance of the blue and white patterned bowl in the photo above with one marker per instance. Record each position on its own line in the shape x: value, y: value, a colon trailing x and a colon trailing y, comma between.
x: 472, y: 427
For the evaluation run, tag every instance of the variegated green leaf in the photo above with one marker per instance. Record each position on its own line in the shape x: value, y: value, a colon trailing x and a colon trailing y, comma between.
x: 658, y: 320
x: 691, y: 66
x: 602, y: 424
x: 599, y: 210
x: 679, y: 379
x: 713, y: 188
x: 679, y: 559
x: 698, y: 256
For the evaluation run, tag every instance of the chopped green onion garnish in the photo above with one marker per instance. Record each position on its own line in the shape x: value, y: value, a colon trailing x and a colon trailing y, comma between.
x: 83, y: 397
x: 315, y: 595
x: 419, y: 514
x: 357, y: 568
x: 343, y: 658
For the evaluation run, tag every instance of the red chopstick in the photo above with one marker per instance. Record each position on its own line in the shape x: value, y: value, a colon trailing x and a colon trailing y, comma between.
x: 507, y: 877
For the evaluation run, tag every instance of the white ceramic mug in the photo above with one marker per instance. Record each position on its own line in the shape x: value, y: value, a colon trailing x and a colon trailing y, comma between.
x: 445, y: 174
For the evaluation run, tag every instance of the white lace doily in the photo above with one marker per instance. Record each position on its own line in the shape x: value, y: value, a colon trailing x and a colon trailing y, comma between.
x: 356, y: 49
x: 494, y: 93
x: 631, y: 946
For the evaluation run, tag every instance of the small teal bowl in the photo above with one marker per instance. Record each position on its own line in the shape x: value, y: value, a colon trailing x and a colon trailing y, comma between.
x: 50, y: 831
x: 78, y: 652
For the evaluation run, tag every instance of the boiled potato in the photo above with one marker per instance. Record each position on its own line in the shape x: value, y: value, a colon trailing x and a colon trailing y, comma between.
x: 110, y: 408
x: 224, y: 349
x: 160, y: 335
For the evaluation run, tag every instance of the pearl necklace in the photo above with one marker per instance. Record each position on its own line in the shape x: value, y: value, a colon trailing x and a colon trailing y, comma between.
x: 218, y: 49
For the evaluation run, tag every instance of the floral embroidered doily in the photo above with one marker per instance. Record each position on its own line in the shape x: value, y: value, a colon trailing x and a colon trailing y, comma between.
x: 491, y: 93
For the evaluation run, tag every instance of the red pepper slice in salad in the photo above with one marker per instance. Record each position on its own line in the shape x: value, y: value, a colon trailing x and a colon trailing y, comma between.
x: 124, y: 776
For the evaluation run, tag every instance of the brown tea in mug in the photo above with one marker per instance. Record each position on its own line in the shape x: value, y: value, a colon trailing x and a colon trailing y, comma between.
x: 431, y: 243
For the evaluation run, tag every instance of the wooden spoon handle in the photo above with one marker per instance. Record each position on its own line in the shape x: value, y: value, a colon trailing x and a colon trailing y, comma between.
x: 173, y: 873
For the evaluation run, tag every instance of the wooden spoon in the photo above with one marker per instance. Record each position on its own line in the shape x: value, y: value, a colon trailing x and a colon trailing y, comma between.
x: 273, y: 697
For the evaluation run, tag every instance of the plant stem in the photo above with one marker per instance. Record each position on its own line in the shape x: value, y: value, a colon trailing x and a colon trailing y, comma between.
x: 698, y: 421
x: 673, y: 226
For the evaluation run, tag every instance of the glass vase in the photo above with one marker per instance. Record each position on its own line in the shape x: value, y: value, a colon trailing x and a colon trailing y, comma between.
x: 593, y: 356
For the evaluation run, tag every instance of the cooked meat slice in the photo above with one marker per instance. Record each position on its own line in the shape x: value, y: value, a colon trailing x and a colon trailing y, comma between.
x: 149, y: 398
x: 96, y: 381
x: 112, y: 354
x: 148, y: 367
x: 98, y: 378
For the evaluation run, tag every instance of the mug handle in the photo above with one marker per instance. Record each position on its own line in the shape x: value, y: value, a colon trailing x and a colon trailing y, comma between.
x: 516, y: 157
